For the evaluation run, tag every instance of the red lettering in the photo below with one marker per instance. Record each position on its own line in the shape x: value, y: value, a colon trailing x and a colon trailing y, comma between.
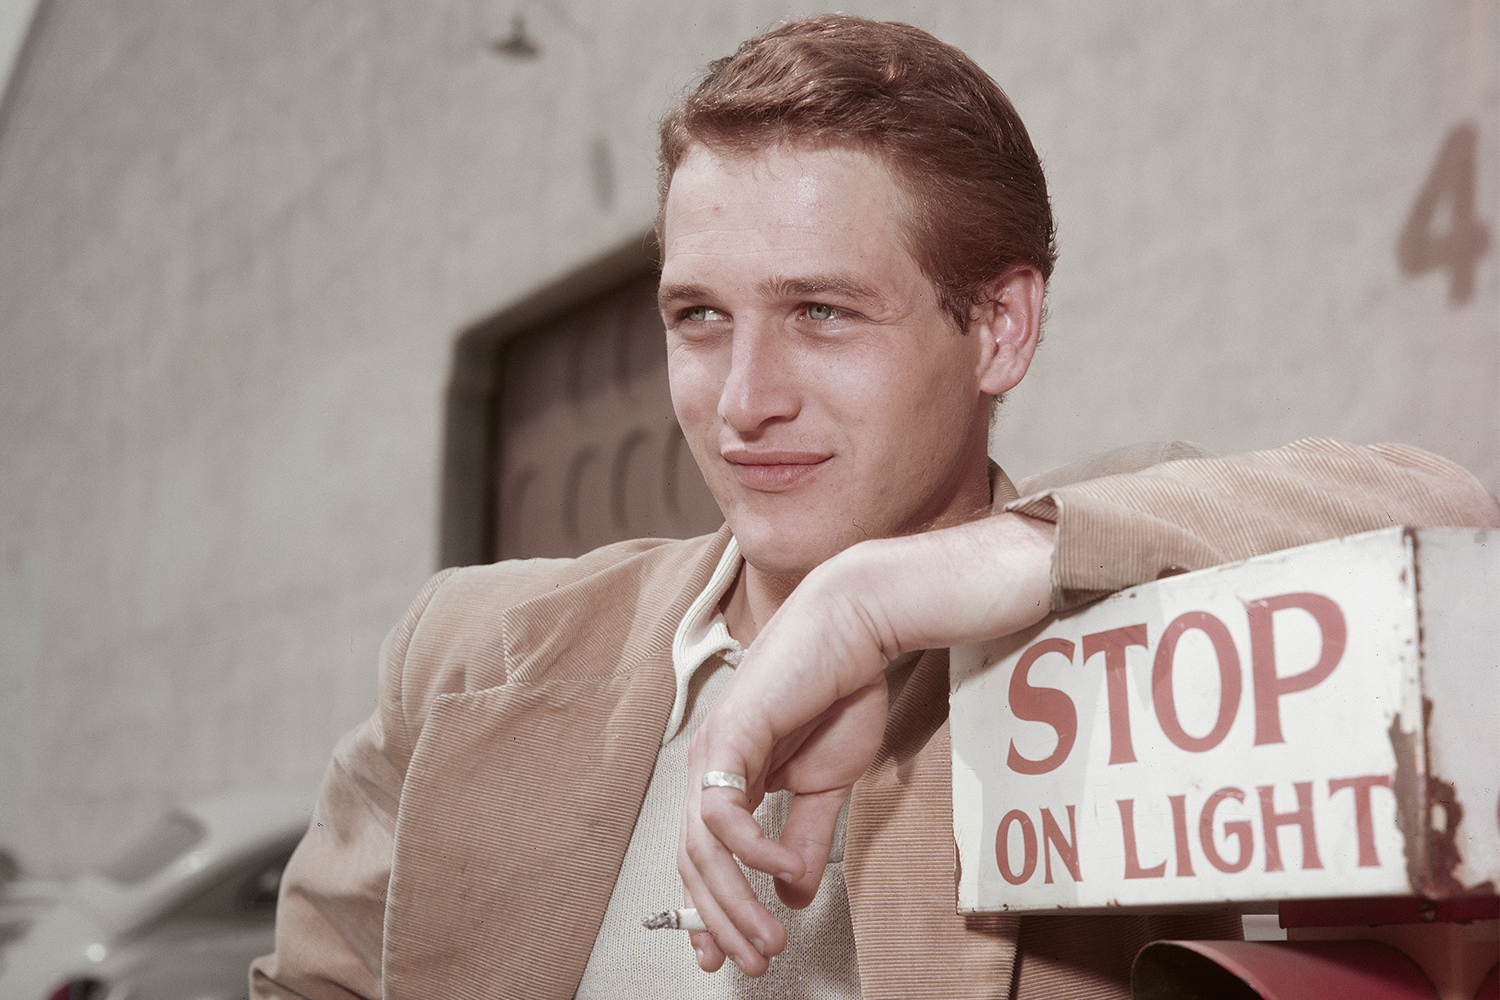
x: 1133, y: 867
x: 1042, y: 704
x: 1229, y: 680
x: 1268, y: 686
x: 1067, y: 850
x: 1028, y: 847
x: 1301, y: 817
x: 1113, y: 645
x: 1239, y: 829
x: 1180, y: 835
x: 1363, y: 825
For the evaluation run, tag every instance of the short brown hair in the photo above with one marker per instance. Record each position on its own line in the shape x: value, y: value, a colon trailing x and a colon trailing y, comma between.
x: 949, y: 134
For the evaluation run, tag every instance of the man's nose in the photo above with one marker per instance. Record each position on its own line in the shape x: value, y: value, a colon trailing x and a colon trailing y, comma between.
x: 761, y: 386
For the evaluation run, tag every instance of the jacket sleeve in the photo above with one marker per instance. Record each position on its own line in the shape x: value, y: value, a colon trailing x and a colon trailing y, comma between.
x: 331, y: 911
x: 1116, y: 531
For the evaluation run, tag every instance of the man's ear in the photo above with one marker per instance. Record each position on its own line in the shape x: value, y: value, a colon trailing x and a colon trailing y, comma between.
x: 1008, y: 323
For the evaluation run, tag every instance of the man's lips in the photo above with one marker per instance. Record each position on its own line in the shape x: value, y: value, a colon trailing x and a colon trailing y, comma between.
x: 773, y: 471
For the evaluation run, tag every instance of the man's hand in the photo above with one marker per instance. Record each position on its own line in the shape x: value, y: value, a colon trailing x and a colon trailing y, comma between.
x: 806, y: 708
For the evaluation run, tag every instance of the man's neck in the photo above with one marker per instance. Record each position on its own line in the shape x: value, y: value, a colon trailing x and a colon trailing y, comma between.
x: 755, y: 594
x: 752, y: 599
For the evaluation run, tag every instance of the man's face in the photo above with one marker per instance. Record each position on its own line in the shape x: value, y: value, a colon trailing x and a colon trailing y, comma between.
x: 824, y: 392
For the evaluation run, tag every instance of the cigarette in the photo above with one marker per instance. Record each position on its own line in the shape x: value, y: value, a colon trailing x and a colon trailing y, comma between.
x: 676, y: 920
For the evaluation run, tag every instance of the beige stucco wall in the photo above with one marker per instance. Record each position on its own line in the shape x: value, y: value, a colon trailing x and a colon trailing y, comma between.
x: 237, y: 239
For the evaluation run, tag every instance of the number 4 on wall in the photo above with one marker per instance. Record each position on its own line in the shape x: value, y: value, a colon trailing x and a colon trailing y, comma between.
x: 1447, y: 197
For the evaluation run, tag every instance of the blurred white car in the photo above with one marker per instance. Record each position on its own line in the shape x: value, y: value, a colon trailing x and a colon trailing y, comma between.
x: 177, y: 916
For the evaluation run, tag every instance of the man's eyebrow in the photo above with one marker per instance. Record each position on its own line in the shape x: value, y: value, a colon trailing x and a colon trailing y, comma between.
x: 678, y: 293
x: 812, y: 285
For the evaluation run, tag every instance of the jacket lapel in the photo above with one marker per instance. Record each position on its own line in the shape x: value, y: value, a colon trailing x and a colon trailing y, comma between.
x: 899, y: 862
x: 899, y: 854
x: 520, y: 799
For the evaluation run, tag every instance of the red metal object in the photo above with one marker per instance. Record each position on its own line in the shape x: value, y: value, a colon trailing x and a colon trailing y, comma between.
x: 1294, y: 970
x: 1490, y: 988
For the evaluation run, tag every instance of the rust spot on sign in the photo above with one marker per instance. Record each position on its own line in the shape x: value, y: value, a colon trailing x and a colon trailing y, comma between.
x: 1428, y: 813
x: 1442, y: 844
x: 1407, y: 786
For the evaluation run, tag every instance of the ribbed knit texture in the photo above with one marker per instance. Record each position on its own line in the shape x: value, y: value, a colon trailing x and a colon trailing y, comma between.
x: 1123, y: 529
x: 629, y: 961
x: 524, y: 785
x: 899, y: 862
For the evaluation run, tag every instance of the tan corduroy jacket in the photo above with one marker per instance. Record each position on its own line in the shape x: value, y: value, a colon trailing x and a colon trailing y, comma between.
x: 468, y: 835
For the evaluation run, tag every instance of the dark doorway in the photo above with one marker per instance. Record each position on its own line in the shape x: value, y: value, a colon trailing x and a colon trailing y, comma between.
x: 560, y: 435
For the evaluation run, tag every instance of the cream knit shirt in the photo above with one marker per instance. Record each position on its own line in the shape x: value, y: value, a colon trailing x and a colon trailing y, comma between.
x: 629, y: 961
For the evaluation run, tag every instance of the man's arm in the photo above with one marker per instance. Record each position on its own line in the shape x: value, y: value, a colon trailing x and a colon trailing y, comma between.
x: 806, y: 707
x: 331, y: 908
x: 1116, y: 531
x: 330, y: 915
x: 808, y: 712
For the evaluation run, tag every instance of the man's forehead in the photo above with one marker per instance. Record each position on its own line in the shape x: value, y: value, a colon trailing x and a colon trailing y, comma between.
x: 777, y: 157
x: 810, y: 174
x: 782, y: 194
x: 789, y: 222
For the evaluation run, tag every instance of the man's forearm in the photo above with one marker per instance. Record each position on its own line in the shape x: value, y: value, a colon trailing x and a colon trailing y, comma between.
x: 976, y: 581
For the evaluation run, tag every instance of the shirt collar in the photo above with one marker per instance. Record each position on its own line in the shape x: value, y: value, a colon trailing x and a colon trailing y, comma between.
x: 704, y: 633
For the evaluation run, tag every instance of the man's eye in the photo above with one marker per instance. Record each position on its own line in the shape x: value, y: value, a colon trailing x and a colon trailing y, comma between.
x: 701, y: 314
x: 820, y: 312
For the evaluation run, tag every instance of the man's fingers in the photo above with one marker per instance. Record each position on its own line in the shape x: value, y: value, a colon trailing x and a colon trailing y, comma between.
x: 710, y: 955
x: 727, y: 816
x: 740, y: 927
x: 809, y: 830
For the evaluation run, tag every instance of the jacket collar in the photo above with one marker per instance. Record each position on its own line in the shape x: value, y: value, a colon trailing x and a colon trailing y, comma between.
x: 520, y: 799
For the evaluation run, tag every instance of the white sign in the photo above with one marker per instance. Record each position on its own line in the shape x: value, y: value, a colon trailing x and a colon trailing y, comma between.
x: 1314, y: 723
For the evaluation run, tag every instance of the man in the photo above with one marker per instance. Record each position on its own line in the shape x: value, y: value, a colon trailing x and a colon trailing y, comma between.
x: 856, y: 240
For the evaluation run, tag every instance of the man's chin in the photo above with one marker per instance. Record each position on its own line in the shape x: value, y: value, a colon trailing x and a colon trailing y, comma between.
x: 779, y: 556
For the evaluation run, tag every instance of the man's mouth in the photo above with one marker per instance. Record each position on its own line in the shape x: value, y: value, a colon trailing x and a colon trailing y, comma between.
x: 773, y: 471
